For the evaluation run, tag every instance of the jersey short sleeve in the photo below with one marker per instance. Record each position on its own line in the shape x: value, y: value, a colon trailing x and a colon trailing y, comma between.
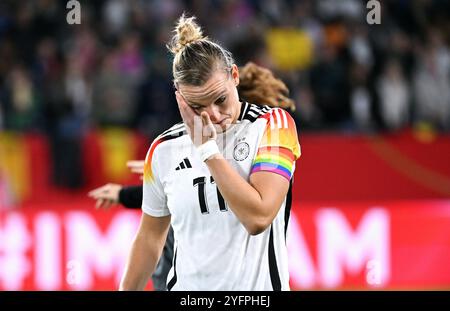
x: 154, y: 201
x: 279, y: 147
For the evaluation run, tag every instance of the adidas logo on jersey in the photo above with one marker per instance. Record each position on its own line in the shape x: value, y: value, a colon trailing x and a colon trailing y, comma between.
x: 184, y: 164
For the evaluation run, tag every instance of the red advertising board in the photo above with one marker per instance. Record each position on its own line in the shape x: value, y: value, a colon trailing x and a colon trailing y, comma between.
x: 380, y: 245
x: 395, y: 245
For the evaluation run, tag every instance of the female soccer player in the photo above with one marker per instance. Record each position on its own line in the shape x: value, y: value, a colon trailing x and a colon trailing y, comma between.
x: 224, y: 188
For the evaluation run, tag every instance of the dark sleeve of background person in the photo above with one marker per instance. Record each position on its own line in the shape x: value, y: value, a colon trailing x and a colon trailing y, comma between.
x: 131, y: 196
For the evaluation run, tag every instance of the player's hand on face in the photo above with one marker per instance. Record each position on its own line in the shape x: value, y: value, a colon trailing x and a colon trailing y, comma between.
x: 200, y: 127
x: 106, y: 195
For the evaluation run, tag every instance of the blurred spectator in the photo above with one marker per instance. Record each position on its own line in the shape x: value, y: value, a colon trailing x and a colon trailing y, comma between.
x: 329, y: 82
x: 156, y: 100
x: 77, y: 88
x: 307, y: 114
x: 360, y: 99
x: 329, y: 9
x: 20, y: 100
x: 400, y: 48
x: 130, y: 61
x: 273, y: 10
x: 110, y: 78
x: 83, y: 49
x: 304, y: 17
x: 115, y: 14
x: 23, y: 32
x: 113, y: 100
x: 432, y: 83
x: 360, y: 48
x: 393, y: 91
x: 290, y: 49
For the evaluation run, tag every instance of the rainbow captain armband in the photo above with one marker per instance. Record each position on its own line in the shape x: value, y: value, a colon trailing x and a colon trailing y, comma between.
x: 278, y: 160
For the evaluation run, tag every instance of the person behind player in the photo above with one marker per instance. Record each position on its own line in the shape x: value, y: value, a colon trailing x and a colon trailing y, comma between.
x: 229, y: 215
x: 112, y: 194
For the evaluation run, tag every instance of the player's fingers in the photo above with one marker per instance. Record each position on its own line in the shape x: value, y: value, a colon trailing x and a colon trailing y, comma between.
x: 99, y: 203
x: 205, y: 119
x: 93, y: 193
x: 137, y: 170
x: 208, y: 126
x: 107, y: 204
x: 186, y: 111
x: 207, y: 122
x: 95, y: 197
x: 197, y: 131
x: 98, y: 191
x: 135, y: 164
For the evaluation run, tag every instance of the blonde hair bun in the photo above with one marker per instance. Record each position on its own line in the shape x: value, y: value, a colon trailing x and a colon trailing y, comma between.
x: 186, y: 32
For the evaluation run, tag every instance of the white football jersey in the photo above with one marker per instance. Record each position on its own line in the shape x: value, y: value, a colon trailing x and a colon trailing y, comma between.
x: 213, y: 250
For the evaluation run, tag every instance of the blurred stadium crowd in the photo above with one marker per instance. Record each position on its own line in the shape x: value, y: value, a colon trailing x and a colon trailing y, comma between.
x: 114, y: 69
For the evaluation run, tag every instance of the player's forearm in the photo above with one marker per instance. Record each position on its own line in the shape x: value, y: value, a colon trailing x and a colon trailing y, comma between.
x: 141, y: 264
x: 244, y: 200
